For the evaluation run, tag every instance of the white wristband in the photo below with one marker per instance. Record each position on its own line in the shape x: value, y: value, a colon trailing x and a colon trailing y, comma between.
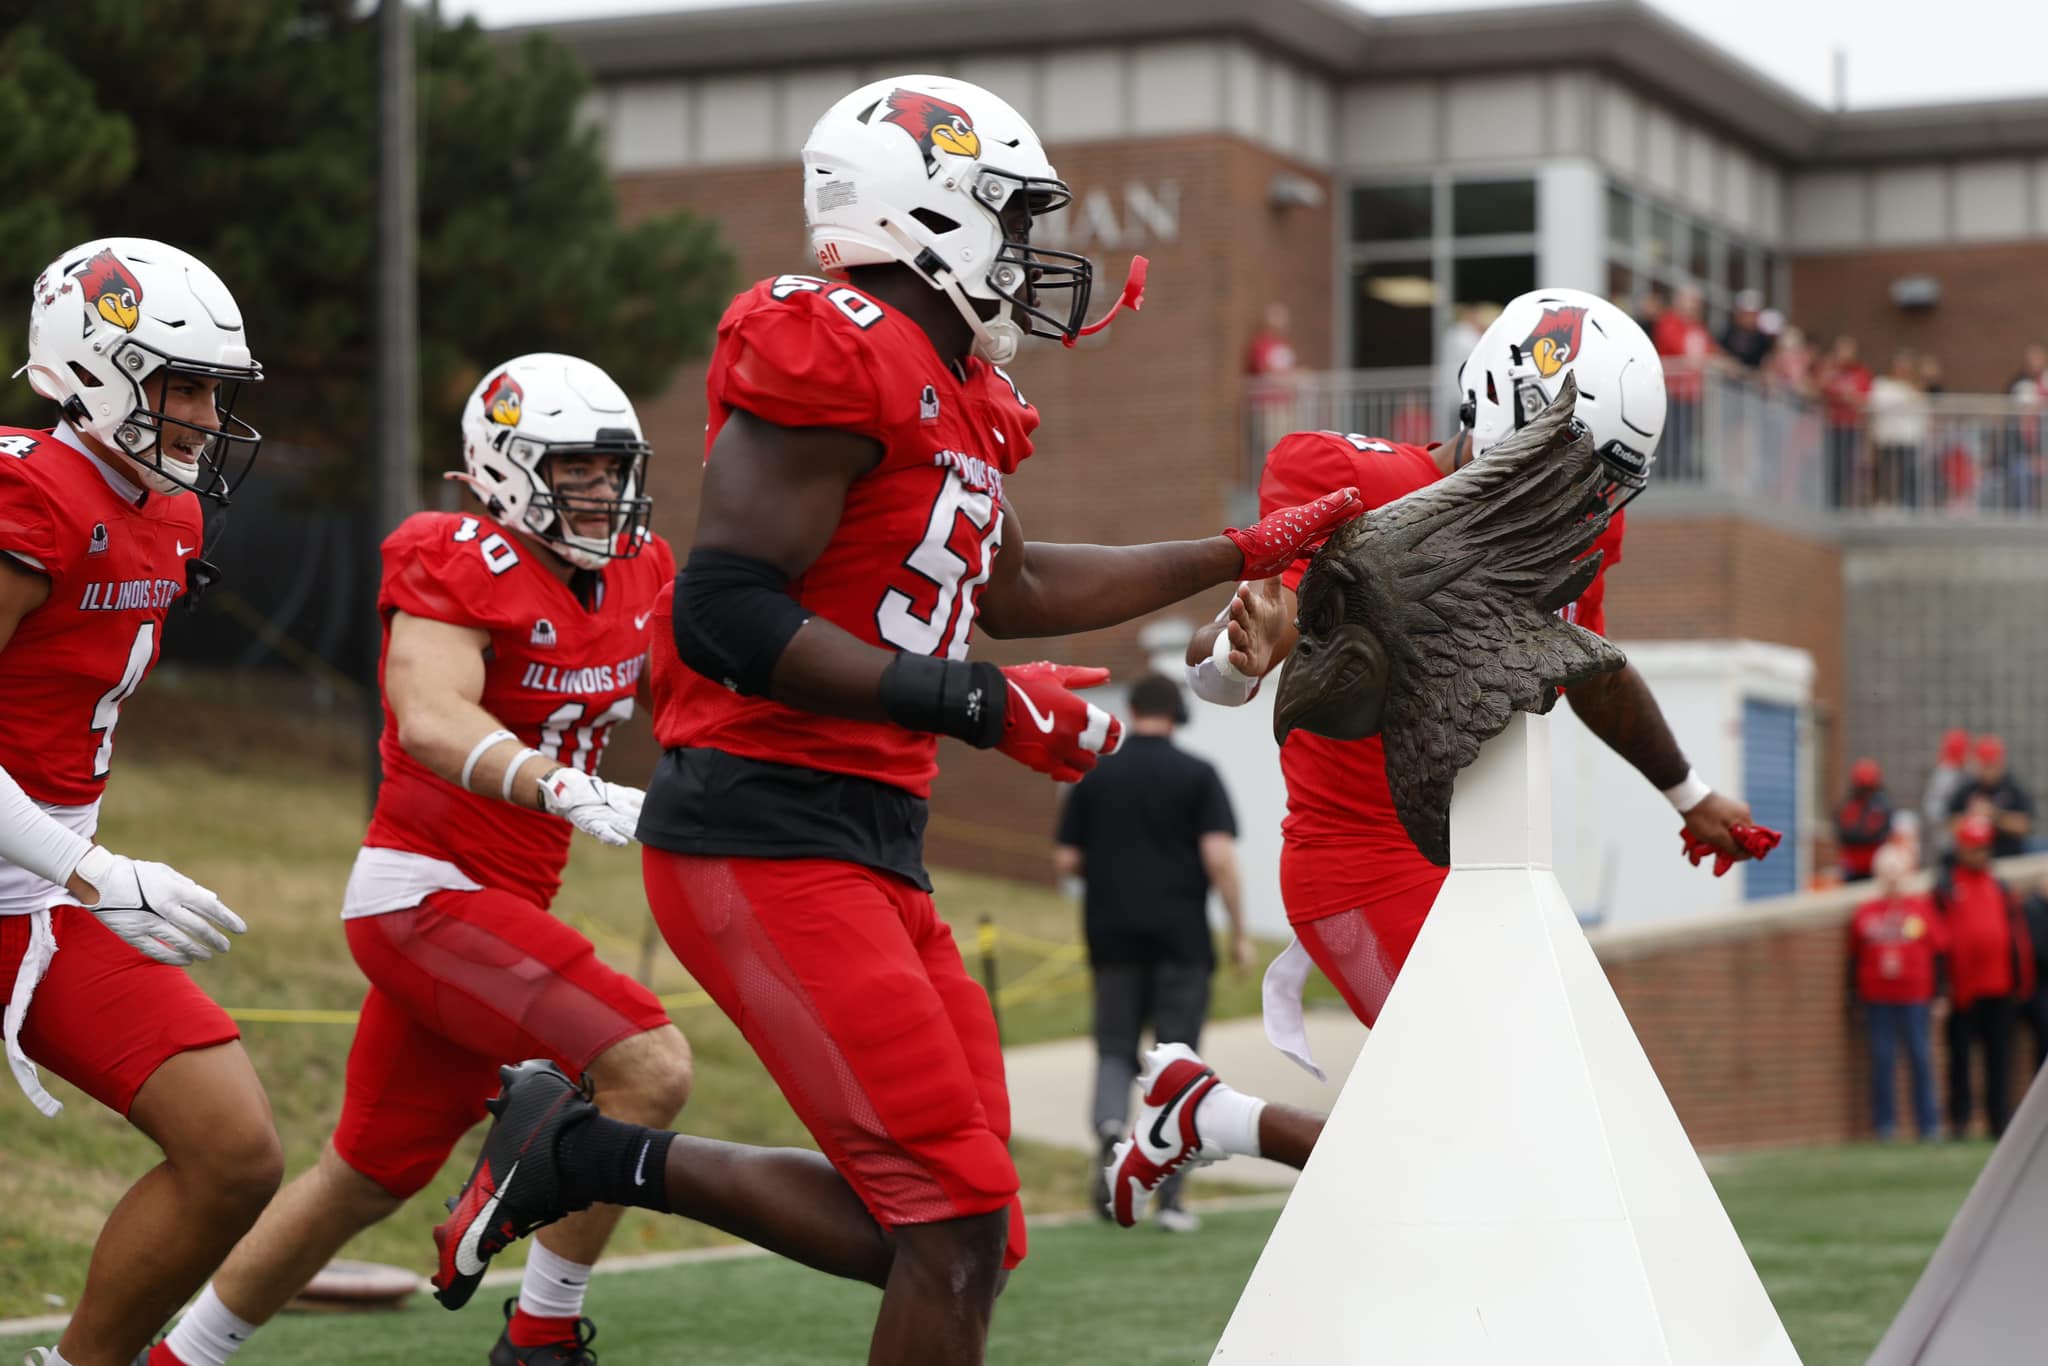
x: 495, y: 738
x: 1688, y: 794
x: 512, y: 771
x: 1217, y: 680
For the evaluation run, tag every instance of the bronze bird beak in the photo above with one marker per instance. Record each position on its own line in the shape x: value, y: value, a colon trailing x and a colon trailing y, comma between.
x: 1334, y: 687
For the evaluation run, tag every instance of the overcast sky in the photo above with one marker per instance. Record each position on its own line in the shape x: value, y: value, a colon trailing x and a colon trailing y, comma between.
x: 1900, y: 51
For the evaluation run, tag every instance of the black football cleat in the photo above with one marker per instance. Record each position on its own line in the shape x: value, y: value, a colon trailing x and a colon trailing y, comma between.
x: 572, y: 1351
x: 515, y: 1186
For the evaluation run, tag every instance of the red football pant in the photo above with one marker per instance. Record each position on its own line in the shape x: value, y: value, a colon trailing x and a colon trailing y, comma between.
x: 850, y: 989
x: 105, y: 1017
x: 460, y: 985
x: 1362, y: 949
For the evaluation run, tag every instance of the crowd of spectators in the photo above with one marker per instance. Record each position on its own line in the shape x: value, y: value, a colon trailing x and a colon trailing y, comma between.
x: 1970, y: 952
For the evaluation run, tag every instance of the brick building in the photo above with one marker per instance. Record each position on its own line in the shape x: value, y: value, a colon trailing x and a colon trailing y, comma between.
x: 1373, y: 175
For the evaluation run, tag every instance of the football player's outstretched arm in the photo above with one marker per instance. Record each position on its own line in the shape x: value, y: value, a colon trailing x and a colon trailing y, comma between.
x: 1620, y: 708
x: 434, y: 681
x: 1044, y: 589
x: 772, y: 499
x: 1247, y: 640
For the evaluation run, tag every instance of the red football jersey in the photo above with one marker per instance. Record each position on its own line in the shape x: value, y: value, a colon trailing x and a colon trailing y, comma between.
x: 558, y: 675
x: 919, y: 531
x: 115, y: 568
x: 1337, y: 792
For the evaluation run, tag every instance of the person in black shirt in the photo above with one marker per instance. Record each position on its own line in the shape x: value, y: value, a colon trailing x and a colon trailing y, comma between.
x: 1150, y: 831
x: 2001, y: 800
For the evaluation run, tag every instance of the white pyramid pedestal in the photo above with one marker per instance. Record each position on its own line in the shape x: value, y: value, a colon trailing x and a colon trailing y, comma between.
x: 1503, y: 1181
x: 1980, y: 1300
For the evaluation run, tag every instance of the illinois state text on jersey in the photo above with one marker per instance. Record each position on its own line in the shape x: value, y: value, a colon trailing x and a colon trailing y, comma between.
x: 116, y: 560
x: 558, y: 675
x: 1337, y: 793
x: 919, y: 532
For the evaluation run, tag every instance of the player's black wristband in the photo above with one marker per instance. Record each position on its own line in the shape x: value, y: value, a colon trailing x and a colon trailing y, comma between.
x: 946, y: 696
x: 733, y: 619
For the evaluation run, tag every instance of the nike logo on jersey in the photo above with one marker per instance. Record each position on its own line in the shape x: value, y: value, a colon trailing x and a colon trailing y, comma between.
x: 129, y: 595
x: 184, y: 549
x: 1038, y: 718
x: 466, y: 1260
x: 640, y: 622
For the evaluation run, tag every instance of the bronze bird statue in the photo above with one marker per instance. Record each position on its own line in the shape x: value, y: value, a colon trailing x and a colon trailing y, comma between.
x: 1430, y: 621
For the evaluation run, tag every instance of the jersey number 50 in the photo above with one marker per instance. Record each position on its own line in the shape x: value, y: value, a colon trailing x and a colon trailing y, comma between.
x: 954, y: 558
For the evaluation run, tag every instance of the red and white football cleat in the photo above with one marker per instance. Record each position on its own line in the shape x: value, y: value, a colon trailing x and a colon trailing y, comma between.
x: 1163, y: 1136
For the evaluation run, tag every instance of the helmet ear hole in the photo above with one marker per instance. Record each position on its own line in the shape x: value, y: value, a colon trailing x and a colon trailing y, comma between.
x: 86, y: 378
x: 935, y: 221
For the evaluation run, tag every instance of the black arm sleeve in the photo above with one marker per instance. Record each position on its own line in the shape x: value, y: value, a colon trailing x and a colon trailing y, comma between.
x: 733, y: 619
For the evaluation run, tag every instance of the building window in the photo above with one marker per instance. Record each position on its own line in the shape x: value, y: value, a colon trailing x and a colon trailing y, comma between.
x: 1655, y: 245
x: 1392, y: 213
x: 1393, y: 307
x: 1492, y: 208
x: 1422, y: 249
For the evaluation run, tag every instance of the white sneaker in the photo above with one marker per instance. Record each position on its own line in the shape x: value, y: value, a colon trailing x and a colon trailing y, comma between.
x: 1163, y: 1135
x: 1174, y: 1219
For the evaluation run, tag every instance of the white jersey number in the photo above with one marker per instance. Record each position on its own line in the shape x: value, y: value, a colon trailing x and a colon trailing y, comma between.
x: 897, y: 617
x: 562, y: 740
x: 106, y: 713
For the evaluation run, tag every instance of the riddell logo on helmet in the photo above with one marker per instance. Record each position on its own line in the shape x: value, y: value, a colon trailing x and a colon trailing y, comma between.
x: 503, y: 399
x: 937, y: 126
x: 113, y: 289
x: 1555, y: 340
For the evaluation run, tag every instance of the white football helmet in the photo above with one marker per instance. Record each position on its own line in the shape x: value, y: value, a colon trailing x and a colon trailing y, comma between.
x: 109, y: 316
x: 1520, y: 361
x: 918, y: 170
x: 545, y: 404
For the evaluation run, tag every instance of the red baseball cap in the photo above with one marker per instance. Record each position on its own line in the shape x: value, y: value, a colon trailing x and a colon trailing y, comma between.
x: 1955, y: 743
x: 1866, y: 773
x: 1973, y: 831
x: 1990, y: 750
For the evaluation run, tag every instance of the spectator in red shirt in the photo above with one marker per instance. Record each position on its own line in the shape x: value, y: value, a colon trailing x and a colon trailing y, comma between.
x: 1991, y: 970
x: 1863, y: 822
x: 1845, y: 384
x: 1894, y: 940
x: 1682, y: 338
x: 1269, y: 385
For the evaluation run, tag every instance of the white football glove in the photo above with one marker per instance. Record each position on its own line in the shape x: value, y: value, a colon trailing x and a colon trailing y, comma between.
x: 157, y: 908
x: 610, y: 811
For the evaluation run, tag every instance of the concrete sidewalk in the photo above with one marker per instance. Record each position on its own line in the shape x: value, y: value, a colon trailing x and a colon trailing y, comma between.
x: 1052, y: 1084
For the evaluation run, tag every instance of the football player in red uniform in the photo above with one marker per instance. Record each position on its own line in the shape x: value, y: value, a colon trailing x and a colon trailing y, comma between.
x: 515, y: 638
x: 1356, y: 888
x: 856, y: 527
x: 142, y: 349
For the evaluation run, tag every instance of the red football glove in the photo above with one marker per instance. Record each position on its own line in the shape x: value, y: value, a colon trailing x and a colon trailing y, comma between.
x: 1279, y: 539
x: 1047, y: 728
x: 1756, y: 841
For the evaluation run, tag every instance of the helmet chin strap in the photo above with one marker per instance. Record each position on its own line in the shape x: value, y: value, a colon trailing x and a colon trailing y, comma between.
x: 995, y: 339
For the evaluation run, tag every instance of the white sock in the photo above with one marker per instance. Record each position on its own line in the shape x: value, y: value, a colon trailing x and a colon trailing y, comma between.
x: 553, y: 1286
x: 209, y: 1333
x: 1229, y: 1120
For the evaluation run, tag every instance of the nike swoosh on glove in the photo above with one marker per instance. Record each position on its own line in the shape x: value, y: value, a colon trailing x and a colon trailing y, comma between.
x: 1280, y: 538
x: 158, y: 909
x: 1047, y: 728
x: 610, y: 811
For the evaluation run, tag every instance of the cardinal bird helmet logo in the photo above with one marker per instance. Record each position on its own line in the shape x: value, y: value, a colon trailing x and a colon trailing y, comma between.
x: 113, y: 289
x: 502, y: 400
x: 936, y: 125
x: 1555, y: 339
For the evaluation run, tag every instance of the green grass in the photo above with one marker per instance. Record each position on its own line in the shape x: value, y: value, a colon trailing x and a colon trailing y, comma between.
x: 1838, y: 1234
x: 205, y: 789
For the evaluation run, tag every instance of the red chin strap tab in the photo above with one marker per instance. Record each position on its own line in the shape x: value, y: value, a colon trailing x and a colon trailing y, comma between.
x: 1133, y: 298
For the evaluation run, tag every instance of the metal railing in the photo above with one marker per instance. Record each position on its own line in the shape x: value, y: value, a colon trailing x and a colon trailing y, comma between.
x: 1927, y: 458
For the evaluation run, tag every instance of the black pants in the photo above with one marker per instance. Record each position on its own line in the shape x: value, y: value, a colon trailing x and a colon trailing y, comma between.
x: 1988, y: 1026
x: 1173, y: 997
